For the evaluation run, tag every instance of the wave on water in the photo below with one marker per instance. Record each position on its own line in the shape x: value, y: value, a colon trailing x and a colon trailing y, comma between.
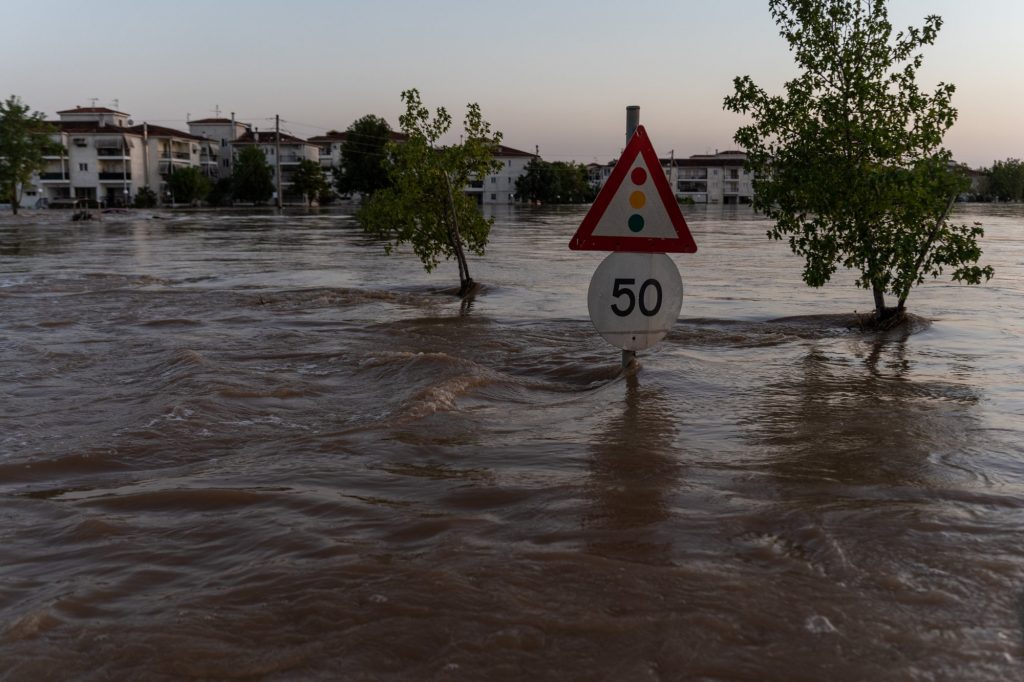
x: 313, y: 299
x: 774, y: 332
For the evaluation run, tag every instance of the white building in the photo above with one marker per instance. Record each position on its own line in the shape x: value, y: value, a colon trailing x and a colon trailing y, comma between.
x: 221, y: 133
x: 500, y: 187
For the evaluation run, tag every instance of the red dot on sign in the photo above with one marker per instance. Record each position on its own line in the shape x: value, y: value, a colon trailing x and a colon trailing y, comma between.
x: 638, y: 176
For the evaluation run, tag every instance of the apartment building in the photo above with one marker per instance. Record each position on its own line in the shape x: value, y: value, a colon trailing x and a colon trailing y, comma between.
x: 718, y: 178
x: 105, y: 158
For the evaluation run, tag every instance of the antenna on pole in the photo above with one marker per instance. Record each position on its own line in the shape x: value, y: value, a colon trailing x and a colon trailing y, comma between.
x: 93, y: 100
x: 216, y: 110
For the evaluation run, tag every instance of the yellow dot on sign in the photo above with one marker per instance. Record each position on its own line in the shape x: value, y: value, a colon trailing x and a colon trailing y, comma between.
x: 637, y: 199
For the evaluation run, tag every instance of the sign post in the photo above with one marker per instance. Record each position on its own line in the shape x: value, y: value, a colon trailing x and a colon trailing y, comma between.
x: 636, y: 294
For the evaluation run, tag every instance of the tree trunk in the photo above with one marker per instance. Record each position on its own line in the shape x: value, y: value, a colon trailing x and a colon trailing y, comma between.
x: 932, y: 236
x: 885, y: 317
x: 465, y: 281
x: 879, y: 294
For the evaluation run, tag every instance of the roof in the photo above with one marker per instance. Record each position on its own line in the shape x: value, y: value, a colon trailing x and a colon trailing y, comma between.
x: 91, y: 110
x: 707, y: 161
x: 161, y: 131
x: 86, y: 127
x: 336, y: 136
x: 502, y: 150
x: 213, y: 120
x: 267, y: 137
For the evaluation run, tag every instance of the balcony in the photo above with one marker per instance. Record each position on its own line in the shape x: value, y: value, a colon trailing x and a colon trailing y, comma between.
x: 111, y: 151
x: 54, y: 176
x: 692, y: 186
x: 115, y: 175
x: 291, y: 158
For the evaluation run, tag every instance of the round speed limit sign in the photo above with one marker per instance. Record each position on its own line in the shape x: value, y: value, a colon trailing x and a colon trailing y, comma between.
x: 635, y: 298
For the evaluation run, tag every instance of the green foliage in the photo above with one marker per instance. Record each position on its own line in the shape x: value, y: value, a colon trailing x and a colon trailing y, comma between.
x: 251, y: 179
x: 849, y: 162
x: 24, y: 140
x: 308, y: 180
x: 1006, y: 180
x: 221, y: 193
x: 557, y: 182
x: 188, y: 185
x: 426, y: 206
x: 145, y: 198
x: 364, y: 156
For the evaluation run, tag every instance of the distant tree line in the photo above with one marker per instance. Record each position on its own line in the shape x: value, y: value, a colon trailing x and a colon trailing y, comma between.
x: 1004, y: 181
x: 555, y: 182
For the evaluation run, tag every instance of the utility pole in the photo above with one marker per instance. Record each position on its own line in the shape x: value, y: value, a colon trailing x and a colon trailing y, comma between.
x: 277, y: 157
x: 145, y: 152
x: 671, y: 170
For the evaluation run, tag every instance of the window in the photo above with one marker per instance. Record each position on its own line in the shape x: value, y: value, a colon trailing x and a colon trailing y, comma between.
x: 494, y: 180
x: 494, y: 197
x: 83, y: 166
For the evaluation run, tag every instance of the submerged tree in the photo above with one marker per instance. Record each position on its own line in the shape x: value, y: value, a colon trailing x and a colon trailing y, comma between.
x: 364, y: 155
x: 308, y: 180
x: 252, y: 178
x: 426, y: 205
x: 188, y: 185
x: 24, y: 141
x: 849, y: 163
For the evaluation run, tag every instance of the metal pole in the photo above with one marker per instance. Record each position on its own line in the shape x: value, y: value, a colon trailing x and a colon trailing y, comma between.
x: 632, y: 121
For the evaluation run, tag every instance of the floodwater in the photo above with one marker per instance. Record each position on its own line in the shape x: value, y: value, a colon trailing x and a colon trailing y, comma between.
x: 257, y: 447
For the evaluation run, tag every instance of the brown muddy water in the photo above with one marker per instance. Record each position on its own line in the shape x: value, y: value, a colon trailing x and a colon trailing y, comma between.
x: 256, y: 447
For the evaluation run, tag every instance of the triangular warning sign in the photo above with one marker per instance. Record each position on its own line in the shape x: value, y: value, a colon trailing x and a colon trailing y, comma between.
x: 636, y: 209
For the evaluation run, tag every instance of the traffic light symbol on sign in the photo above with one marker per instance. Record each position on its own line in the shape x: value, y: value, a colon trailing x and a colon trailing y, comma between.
x: 637, y: 200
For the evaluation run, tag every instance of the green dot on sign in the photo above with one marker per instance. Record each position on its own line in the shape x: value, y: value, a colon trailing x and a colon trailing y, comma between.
x: 636, y: 222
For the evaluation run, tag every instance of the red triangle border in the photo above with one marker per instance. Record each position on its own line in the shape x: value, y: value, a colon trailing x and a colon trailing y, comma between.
x: 584, y: 239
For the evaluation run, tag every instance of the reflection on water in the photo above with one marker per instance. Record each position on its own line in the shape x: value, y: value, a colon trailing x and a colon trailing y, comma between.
x: 857, y: 415
x: 633, y: 472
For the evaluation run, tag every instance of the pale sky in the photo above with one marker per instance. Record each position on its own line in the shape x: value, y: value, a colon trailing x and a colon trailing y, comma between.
x: 557, y: 74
